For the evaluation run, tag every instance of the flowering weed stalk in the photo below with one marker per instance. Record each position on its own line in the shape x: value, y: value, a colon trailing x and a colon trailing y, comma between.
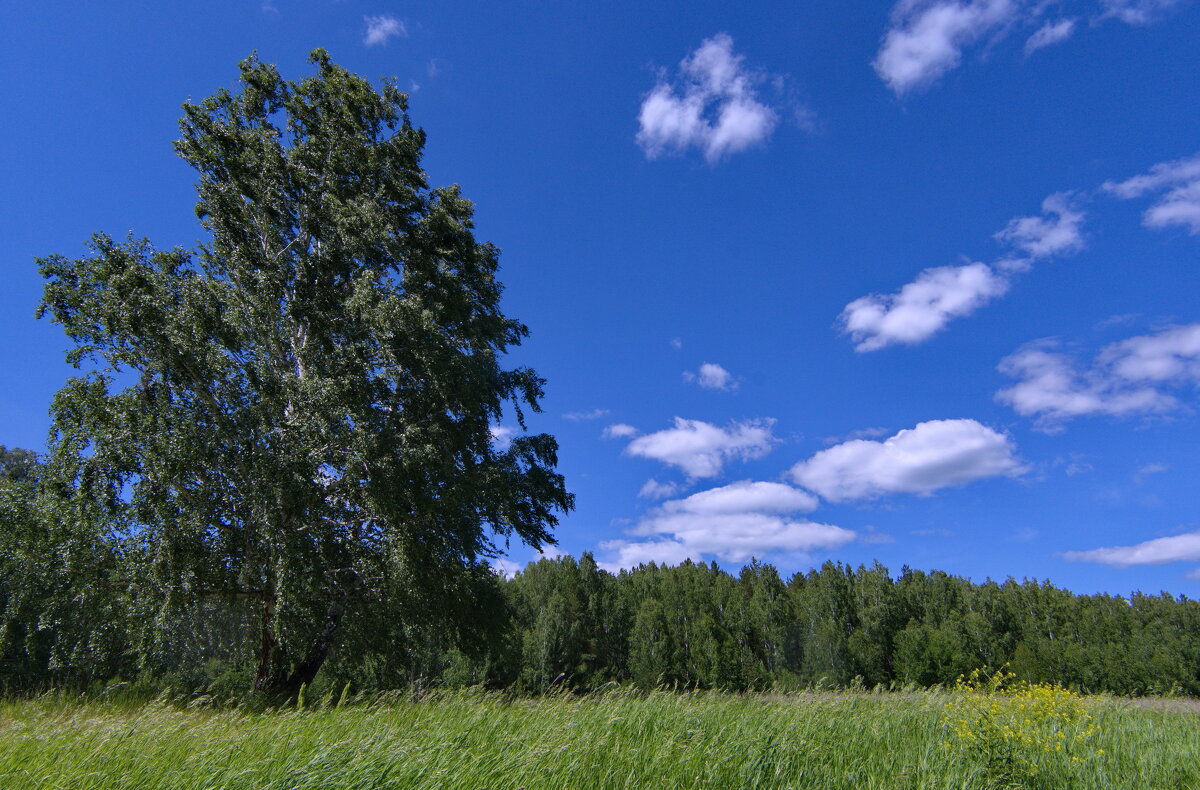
x: 1017, y: 729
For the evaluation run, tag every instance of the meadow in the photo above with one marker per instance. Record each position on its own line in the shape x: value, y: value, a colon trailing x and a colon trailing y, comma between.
x: 614, y: 739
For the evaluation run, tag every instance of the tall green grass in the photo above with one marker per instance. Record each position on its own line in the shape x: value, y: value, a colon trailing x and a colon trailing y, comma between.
x: 617, y: 739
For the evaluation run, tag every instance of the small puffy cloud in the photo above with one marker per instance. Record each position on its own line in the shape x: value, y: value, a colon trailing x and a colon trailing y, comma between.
x: 701, y: 449
x: 501, y: 435
x: 1133, y: 376
x: 619, y: 430
x: 1138, y: 12
x: 382, y: 29
x: 1160, y: 551
x: 1049, y: 34
x: 733, y: 523
x: 712, y: 376
x: 502, y: 566
x: 714, y: 106
x: 921, y: 308
x: 1177, y: 185
x: 933, y: 455
x: 582, y: 416
x: 652, y: 489
x: 1055, y: 232
x: 927, y: 38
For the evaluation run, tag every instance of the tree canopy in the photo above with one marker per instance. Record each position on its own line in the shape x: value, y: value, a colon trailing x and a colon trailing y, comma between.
x: 292, y: 424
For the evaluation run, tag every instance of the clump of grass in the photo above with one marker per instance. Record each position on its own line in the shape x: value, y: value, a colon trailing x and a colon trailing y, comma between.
x: 619, y: 738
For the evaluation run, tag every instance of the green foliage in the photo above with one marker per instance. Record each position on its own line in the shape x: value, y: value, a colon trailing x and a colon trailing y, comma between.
x: 283, y: 438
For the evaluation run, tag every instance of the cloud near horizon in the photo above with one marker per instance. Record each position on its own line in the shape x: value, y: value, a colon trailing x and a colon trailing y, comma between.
x: 732, y: 523
x: 1160, y: 551
x: 713, y: 106
x: 921, y: 460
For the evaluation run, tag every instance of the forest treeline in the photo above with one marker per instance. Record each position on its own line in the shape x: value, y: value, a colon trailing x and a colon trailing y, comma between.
x: 567, y: 623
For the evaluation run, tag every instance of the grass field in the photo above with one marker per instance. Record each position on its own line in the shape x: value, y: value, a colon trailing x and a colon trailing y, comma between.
x: 614, y: 740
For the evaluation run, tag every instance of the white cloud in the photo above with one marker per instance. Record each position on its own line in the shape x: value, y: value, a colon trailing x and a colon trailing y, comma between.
x: 1180, y: 548
x: 921, y: 308
x: 701, y: 449
x: 933, y: 455
x: 1056, y: 231
x: 1148, y: 470
x: 745, y: 496
x: 712, y: 376
x: 631, y: 554
x: 619, y: 431
x: 1132, y: 376
x: 502, y: 566
x: 1180, y: 205
x: 652, y: 489
x: 733, y: 523
x: 581, y: 416
x: 714, y: 107
x: 1171, y: 354
x: 927, y: 38
x: 1138, y: 12
x: 1049, y: 34
x: 501, y: 436
x: 1193, y: 574
x: 382, y: 29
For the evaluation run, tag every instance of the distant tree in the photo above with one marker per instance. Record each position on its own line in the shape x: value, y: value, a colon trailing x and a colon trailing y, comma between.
x: 295, y: 420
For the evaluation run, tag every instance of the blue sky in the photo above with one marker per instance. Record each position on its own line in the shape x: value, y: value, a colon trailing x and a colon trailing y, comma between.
x: 913, y: 281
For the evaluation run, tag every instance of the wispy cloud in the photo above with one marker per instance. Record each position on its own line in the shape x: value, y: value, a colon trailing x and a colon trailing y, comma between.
x: 930, y: 456
x: 733, y: 523
x: 712, y: 376
x: 713, y: 105
x: 1056, y: 231
x: 1177, y: 185
x: 652, y: 489
x: 1133, y: 376
x: 1160, y: 551
x: 701, y: 449
x: 923, y: 307
x: 583, y: 416
x: 1049, y: 34
x: 382, y: 29
x: 928, y: 38
x: 1139, y: 12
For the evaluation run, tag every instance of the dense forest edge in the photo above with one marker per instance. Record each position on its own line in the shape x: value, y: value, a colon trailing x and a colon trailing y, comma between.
x: 567, y: 624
